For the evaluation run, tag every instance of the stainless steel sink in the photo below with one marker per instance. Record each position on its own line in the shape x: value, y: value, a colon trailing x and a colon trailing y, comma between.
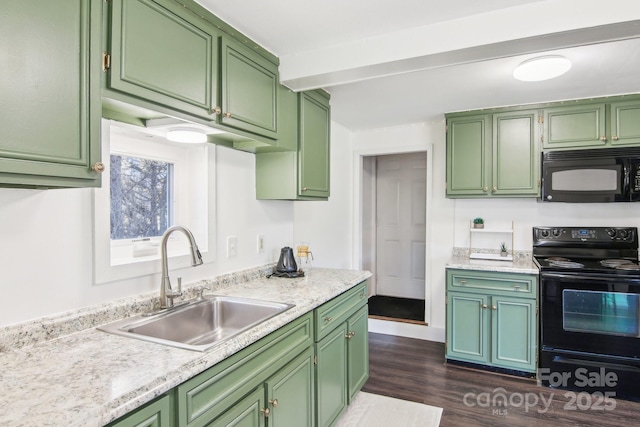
x: 199, y: 325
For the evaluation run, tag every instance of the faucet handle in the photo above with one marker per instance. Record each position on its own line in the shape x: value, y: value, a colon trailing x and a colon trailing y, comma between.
x: 200, y: 291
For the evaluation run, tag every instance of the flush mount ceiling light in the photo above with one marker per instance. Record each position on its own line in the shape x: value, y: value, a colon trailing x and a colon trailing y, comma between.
x: 186, y: 135
x: 542, y: 68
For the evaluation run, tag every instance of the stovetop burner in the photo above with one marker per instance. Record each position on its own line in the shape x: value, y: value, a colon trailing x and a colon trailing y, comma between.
x: 615, y: 263
x: 564, y: 264
x: 628, y: 267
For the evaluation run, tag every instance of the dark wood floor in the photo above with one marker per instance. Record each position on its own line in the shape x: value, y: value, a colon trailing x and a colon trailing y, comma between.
x: 415, y: 370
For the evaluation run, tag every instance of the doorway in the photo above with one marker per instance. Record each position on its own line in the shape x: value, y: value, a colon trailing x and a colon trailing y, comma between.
x: 394, y: 229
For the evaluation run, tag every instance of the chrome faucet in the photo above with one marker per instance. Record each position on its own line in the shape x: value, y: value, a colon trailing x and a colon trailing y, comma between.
x: 167, y: 294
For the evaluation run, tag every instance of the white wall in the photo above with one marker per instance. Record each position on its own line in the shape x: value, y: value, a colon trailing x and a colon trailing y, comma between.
x: 46, y: 242
x: 327, y: 225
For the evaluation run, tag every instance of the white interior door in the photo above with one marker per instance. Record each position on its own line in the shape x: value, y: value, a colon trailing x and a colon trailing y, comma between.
x: 401, y: 181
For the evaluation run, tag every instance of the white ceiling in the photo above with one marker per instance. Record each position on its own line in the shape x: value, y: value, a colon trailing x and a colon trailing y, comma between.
x: 413, y: 86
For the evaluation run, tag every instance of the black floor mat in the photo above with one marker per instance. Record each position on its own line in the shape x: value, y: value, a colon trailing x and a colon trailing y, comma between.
x: 397, y: 308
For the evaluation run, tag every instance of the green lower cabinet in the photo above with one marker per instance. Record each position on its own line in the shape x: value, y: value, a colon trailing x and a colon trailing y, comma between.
x: 358, y: 351
x: 290, y: 393
x: 492, y: 319
x: 513, y: 333
x: 155, y: 414
x: 331, y: 373
x: 249, y: 412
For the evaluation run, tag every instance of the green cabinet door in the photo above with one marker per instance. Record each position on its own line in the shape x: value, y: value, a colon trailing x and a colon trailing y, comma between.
x: 331, y: 374
x: 154, y: 414
x: 161, y: 55
x: 313, y: 154
x: 513, y: 332
x: 571, y: 126
x: 290, y: 394
x: 468, y: 155
x: 50, y: 85
x: 248, y: 412
x: 467, y: 327
x: 249, y: 90
x: 357, y: 351
x: 516, y: 155
x: 625, y: 123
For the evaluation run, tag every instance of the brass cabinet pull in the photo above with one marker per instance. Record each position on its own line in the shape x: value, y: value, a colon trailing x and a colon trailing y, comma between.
x: 493, y: 307
x: 227, y: 115
x: 603, y: 138
x: 304, y: 188
x: 274, y: 402
x: 485, y: 189
x: 463, y: 282
x: 494, y: 189
x: 98, y: 167
x: 328, y: 319
x: 350, y: 335
x: 215, y: 110
x: 516, y: 287
x: 615, y: 137
x: 265, y: 411
x: 484, y: 305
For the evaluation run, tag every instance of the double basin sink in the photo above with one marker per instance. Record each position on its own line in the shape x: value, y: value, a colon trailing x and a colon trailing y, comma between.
x: 199, y: 324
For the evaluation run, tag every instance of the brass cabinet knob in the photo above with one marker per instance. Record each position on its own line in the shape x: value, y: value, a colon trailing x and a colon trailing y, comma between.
x: 273, y: 402
x: 484, y: 305
x: 615, y: 137
x: 215, y: 110
x: 98, y: 167
x: 603, y: 138
x: 227, y: 115
x: 265, y: 411
x: 350, y: 335
x: 485, y: 189
x: 304, y: 188
x: 493, y: 307
x: 494, y: 189
x: 328, y: 319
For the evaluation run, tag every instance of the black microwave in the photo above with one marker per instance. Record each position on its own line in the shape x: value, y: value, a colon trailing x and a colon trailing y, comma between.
x: 591, y: 176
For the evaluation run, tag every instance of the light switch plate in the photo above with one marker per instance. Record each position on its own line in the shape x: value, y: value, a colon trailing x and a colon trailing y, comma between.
x: 232, y: 246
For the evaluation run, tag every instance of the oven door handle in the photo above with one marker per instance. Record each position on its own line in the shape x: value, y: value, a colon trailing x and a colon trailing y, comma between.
x: 598, y: 364
x: 587, y: 277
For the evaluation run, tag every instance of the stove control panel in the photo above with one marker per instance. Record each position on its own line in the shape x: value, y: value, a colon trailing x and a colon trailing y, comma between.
x: 590, y: 234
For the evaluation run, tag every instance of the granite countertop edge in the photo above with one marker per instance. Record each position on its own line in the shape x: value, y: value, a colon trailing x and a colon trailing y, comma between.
x: 521, y: 264
x: 90, y: 378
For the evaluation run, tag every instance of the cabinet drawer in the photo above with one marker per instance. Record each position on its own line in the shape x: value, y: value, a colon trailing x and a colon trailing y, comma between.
x: 332, y: 313
x: 524, y: 285
x: 206, y: 396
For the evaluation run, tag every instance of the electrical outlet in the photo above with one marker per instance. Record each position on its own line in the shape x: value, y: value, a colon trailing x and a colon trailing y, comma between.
x: 260, y: 243
x: 232, y: 246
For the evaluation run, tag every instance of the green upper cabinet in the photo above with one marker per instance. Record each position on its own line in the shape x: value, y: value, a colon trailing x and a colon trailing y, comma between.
x: 468, y: 155
x: 493, y: 155
x: 516, y: 154
x: 160, y: 56
x: 625, y: 123
x: 249, y: 90
x: 572, y: 126
x: 303, y: 174
x: 50, y: 77
x: 314, y: 134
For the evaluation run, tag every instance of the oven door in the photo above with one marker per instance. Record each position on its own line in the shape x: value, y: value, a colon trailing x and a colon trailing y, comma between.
x: 594, y: 314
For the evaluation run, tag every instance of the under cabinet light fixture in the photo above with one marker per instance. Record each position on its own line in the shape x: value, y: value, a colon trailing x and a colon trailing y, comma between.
x: 186, y: 135
x: 542, y: 68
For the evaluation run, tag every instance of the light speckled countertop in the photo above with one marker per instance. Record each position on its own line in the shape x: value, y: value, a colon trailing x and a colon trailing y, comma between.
x: 522, y: 263
x: 89, y: 378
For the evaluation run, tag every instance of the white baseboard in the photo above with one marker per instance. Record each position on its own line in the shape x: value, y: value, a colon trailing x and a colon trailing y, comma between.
x: 408, y: 330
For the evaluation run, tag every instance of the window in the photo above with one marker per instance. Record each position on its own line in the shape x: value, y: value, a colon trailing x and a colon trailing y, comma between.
x: 150, y: 185
x: 141, y: 197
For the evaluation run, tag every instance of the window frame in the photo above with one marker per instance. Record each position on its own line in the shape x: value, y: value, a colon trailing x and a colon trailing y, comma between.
x: 194, y: 205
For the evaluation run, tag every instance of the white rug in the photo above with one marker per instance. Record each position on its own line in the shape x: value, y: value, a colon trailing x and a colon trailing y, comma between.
x: 372, y: 410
